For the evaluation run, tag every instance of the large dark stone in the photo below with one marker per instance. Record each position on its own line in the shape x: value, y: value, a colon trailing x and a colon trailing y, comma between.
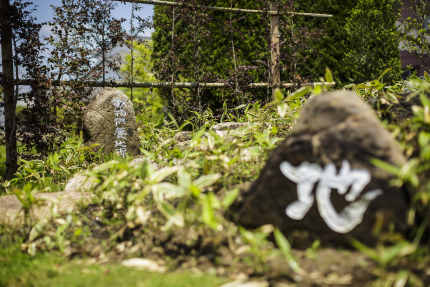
x: 328, y: 152
x: 112, y: 127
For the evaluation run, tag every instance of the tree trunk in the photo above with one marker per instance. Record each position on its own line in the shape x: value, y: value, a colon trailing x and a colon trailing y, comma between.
x: 9, y: 99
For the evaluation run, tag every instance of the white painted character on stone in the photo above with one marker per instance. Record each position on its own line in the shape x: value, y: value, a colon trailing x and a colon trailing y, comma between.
x: 120, y: 144
x: 118, y: 103
x: 119, y: 121
x: 306, y: 175
x: 121, y: 152
x: 120, y: 113
x: 120, y: 133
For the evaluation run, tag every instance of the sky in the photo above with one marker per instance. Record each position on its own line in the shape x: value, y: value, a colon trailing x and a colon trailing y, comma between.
x: 44, y: 13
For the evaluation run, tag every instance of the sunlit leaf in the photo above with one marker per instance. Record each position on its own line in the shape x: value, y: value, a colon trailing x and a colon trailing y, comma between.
x: 328, y: 75
x: 230, y: 197
x: 199, y: 134
x: 366, y: 250
x: 208, y: 213
x: 424, y: 100
x: 391, y: 97
x: 285, y: 247
x: 161, y: 174
x: 299, y: 93
x: 206, y: 180
x: 282, y: 242
x: 184, y: 178
x: 317, y: 90
x: 426, y: 76
x: 240, y: 107
x: 423, y: 139
x: 173, y: 120
x: 215, y: 203
x: 278, y: 95
x: 169, y: 190
x: 384, y: 73
x: 385, y: 166
x: 282, y: 109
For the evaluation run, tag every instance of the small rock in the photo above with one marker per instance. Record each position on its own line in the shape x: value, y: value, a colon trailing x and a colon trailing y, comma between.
x: 11, y: 212
x: 109, y: 120
x: 245, y: 283
x: 139, y: 161
x: 248, y: 154
x: 144, y: 264
x: 156, y: 166
x: 183, y: 136
x: 228, y: 126
x: 78, y: 183
x: 320, y: 179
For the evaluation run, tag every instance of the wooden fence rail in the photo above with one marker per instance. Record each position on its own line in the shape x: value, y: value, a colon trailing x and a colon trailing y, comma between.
x: 225, y: 9
x: 274, y: 13
x: 9, y: 82
x: 166, y: 84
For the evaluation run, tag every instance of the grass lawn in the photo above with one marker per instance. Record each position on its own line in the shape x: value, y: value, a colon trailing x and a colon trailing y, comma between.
x: 49, y: 269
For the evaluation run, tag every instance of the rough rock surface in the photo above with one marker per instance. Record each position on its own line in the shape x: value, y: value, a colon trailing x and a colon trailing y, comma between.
x: 183, y: 136
x: 139, y: 161
x: 402, y: 110
x: 78, y: 183
x: 228, y: 126
x: 112, y: 124
x: 11, y: 213
x: 325, y: 159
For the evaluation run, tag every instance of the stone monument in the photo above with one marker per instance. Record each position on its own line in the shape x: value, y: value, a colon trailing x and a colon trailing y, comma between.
x: 319, y: 183
x: 109, y: 120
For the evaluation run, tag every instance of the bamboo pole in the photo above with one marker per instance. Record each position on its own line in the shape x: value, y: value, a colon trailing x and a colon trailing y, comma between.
x: 9, y: 99
x: 225, y: 9
x: 168, y: 84
x: 275, y: 55
x: 132, y: 39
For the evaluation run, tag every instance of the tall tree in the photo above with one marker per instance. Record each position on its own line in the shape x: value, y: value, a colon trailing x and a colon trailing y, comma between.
x: 6, y: 13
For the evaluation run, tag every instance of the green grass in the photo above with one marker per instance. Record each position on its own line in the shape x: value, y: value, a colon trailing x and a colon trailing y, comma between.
x: 48, y: 269
x: 2, y: 159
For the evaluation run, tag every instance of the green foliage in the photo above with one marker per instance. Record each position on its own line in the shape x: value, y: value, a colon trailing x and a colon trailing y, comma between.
x: 340, y: 48
x: 371, y: 30
x: 147, y: 101
x: 142, y: 64
x: 330, y: 50
x: 19, y: 269
x: 210, y: 52
x: 412, y: 134
x: 52, y: 173
x: 359, y: 42
x: 414, y: 32
x: 2, y: 159
x: 190, y: 191
x: 181, y: 196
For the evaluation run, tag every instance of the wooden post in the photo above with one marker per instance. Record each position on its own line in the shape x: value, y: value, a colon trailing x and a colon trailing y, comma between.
x: 274, y: 34
x: 9, y: 99
x: 132, y: 39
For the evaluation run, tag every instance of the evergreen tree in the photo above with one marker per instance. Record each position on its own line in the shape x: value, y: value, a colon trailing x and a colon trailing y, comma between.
x: 333, y: 45
x: 238, y: 48
x: 375, y: 40
x: 229, y: 45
